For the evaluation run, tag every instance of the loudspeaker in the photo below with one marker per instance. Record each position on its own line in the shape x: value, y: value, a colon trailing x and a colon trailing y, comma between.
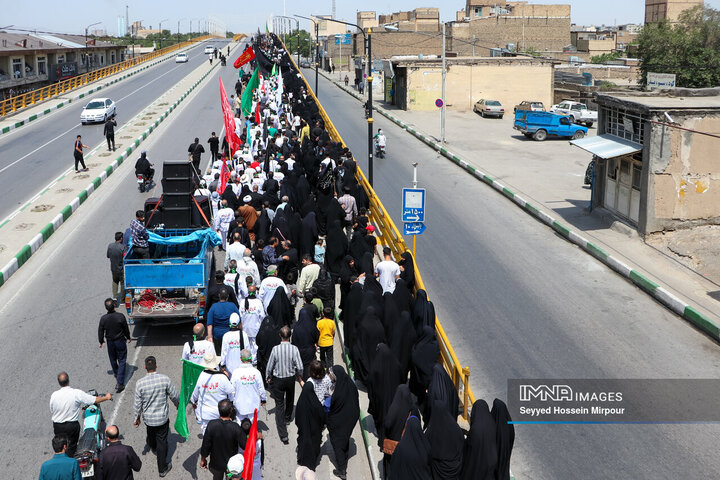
x: 177, y: 217
x: 157, y: 217
x: 197, y: 218
x: 177, y: 169
x: 177, y: 185
x: 177, y: 200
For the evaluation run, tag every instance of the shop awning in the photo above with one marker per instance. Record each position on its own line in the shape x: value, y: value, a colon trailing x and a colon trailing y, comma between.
x: 607, y: 146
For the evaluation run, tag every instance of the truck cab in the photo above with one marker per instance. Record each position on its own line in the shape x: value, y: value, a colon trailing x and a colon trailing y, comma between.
x: 579, y: 112
x: 539, y: 125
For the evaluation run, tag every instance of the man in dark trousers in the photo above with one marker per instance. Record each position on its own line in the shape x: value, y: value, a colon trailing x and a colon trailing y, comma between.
x: 195, y: 150
x: 109, y: 132
x: 114, y: 329
x: 214, y: 142
x: 78, y: 153
x: 116, y: 252
x: 283, y: 368
x: 223, y: 438
x: 213, y: 292
x: 116, y: 461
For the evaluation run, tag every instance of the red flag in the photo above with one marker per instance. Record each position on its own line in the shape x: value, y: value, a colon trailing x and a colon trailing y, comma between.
x: 229, y: 120
x: 250, y: 447
x: 224, y: 176
x: 245, y: 57
x: 257, y: 114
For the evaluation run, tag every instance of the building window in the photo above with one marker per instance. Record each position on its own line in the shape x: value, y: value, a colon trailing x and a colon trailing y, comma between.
x: 17, y: 68
x: 42, y: 65
x: 612, y: 168
x: 637, y: 171
x: 478, y: 11
x: 61, y: 59
x: 624, y: 124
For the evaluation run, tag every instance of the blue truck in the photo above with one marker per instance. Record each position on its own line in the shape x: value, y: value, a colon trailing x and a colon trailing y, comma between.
x: 538, y: 125
x: 170, y: 286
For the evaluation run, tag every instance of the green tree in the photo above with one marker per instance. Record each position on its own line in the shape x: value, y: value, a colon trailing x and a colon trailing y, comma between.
x: 690, y: 49
x: 301, y: 38
x: 606, y: 57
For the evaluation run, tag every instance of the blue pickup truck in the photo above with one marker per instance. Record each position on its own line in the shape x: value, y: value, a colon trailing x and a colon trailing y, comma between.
x: 538, y: 125
x: 170, y: 286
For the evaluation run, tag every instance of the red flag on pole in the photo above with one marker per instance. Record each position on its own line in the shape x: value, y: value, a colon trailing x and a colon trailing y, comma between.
x: 229, y: 120
x: 245, y: 57
x: 224, y: 176
x: 257, y: 114
x: 250, y: 447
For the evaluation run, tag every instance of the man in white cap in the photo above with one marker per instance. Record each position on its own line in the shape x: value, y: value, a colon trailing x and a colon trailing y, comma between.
x: 246, y: 267
x: 222, y: 221
x: 195, y: 349
x: 212, y: 386
x: 233, y: 342
x: 235, y: 250
x: 248, y: 385
x: 235, y: 467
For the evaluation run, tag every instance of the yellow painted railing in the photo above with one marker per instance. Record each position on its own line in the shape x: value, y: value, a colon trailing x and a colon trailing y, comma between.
x: 32, y: 97
x: 391, y: 237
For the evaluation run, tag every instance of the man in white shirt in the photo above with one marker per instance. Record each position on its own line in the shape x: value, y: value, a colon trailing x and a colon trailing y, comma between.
x: 195, y: 350
x: 222, y: 222
x: 235, y: 280
x: 66, y: 405
x: 233, y: 342
x: 247, y: 267
x: 387, y: 272
x: 270, y: 284
x: 212, y: 387
x: 252, y: 312
x: 235, y: 250
x: 308, y: 275
x: 249, y: 390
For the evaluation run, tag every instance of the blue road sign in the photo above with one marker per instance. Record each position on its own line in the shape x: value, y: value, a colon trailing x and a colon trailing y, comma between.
x: 413, y: 207
x: 342, y: 39
x: 414, y: 228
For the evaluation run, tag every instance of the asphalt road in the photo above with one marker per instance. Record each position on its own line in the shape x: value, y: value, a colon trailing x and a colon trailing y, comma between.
x: 51, y: 307
x: 36, y: 154
x: 517, y: 301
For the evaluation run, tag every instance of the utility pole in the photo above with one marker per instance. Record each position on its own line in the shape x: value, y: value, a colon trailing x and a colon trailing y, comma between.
x: 414, y: 183
x: 370, y: 108
x: 444, y: 69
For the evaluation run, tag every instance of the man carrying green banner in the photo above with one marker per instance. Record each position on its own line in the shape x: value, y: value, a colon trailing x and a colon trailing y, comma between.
x: 247, y: 96
x: 191, y: 372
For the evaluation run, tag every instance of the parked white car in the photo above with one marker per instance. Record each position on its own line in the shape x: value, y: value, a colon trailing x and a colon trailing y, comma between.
x: 209, y: 49
x: 181, y: 58
x: 98, y: 110
x: 578, y: 111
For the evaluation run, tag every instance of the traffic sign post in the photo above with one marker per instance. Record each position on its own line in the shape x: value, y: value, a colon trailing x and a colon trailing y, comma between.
x: 413, y: 210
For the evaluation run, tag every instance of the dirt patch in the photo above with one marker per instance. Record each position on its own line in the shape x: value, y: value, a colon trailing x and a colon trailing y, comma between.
x: 141, y: 124
x: 126, y: 137
x: 162, y: 104
x: 697, y: 248
x: 64, y: 190
x: 23, y: 227
x: 106, y: 154
x: 2, y: 247
x: 80, y: 177
x: 92, y: 165
x: 147, y: 118
x: 42, y: 208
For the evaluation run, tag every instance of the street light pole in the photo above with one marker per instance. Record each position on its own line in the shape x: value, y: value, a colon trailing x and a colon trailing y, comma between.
x: 317, y: 47
x: 87, y: 58
x: 161, y: 31
x: 444, y: 72
x: 297, y: 36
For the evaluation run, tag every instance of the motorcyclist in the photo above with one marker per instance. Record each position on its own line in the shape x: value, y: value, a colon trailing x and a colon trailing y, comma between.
x: 380, y: 140
x: 144, y: 167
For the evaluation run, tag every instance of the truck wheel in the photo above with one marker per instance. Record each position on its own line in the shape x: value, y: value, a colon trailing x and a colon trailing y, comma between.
x: 578, y: 134
x: 540, y: 135
x: 588, y: 124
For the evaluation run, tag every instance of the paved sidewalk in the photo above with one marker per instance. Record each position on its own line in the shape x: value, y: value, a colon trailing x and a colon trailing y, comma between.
x: 26, y: 115
x: 546, y: 180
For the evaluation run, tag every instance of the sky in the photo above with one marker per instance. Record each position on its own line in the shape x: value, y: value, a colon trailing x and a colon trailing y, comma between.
x: 247, y: 16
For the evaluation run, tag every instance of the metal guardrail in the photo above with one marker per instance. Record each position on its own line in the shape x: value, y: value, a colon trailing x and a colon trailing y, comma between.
x: 32, y: 97
x: 391, y: 237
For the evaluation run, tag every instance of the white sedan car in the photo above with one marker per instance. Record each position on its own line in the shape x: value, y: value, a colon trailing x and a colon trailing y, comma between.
x: 98, y: 110
x: 181, y: 58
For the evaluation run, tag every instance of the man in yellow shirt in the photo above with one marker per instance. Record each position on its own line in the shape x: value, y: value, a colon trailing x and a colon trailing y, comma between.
x: 326, y: 327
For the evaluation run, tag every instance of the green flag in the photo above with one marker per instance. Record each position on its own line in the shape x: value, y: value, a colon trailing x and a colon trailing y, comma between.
x: 247, y: 96
x: 274, y: 70
x: 191, y: 372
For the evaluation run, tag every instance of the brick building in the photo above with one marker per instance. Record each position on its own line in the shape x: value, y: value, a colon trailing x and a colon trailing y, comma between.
x: 657, y: 10
x: 483, y: 25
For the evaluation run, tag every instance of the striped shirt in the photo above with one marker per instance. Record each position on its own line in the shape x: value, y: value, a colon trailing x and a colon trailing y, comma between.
x: 284, y: 361
x: 151, y: 395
